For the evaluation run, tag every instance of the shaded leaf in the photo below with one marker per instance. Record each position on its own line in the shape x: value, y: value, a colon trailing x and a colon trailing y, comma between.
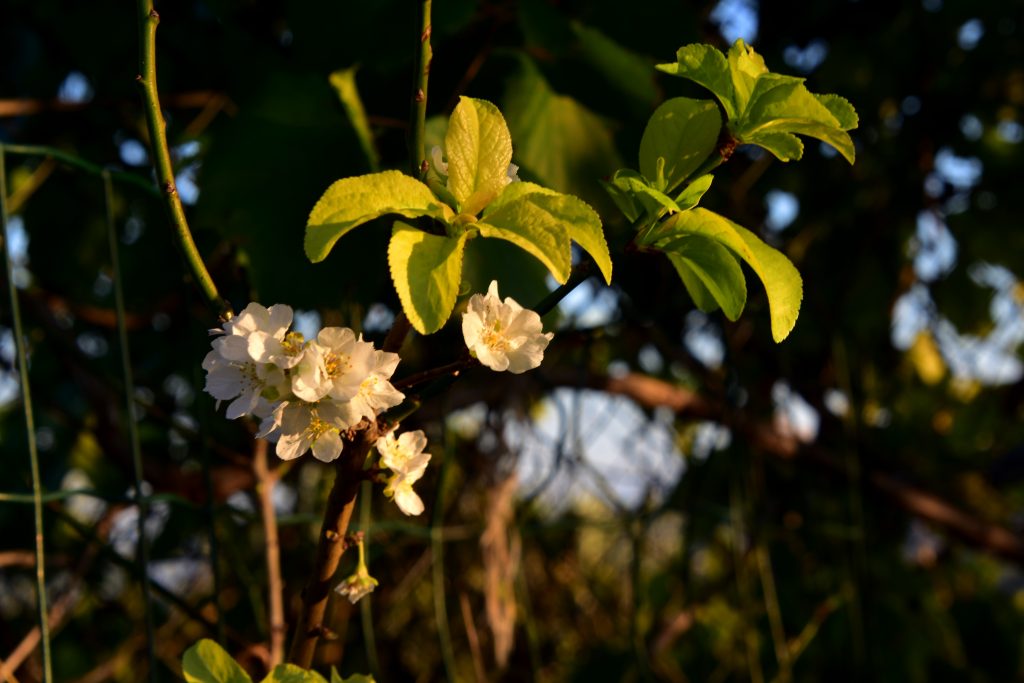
x: 479, y: 150
x: 634, y: 190
x: 350, y: 202
x: 208, y: 662
x: 527, y: 214
x: 683, y: 132
x: 781, y: 280
x: 693, y: 192
x: 715, y: 267
x: 784, y: 146
x: 426, y: 270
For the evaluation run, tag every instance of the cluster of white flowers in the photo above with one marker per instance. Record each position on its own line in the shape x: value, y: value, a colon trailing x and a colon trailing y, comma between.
x: 305, y: 392
x: 502, y: 334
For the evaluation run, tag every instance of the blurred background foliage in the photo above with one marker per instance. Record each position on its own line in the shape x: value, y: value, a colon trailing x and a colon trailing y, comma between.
x: 672, y: 496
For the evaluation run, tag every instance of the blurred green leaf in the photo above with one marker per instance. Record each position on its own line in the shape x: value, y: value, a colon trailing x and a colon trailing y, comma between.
x: 558, y: 141
x: 625, y: 71
x: 344, y: 82
x: 290, y: 673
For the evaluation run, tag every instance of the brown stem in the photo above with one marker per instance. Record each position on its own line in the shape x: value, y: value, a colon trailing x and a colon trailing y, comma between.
x: 265, y: 480
x: 331, y: 546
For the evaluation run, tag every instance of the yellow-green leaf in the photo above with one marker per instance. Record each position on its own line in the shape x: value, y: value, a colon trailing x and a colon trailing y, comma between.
x: 479, y: 149
x: 426, y: 270
x: 350, y: 202
x: 780, y: 278
x: 746, y: 68
x: 290, y: 673
x: 208, y: 662
x: 706, y: 65
x: 354, y: 678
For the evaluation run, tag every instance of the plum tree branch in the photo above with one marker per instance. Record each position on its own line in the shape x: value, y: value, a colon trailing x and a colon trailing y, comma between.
x: 157, y: 126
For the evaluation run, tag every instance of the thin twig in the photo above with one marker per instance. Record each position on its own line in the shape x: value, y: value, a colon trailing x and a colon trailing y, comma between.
x: 473, y: 637
x: 132, y: 424
x: 265, y: 480
x: 30, y: 429
x: 148, y: 21
x: 82, y: 165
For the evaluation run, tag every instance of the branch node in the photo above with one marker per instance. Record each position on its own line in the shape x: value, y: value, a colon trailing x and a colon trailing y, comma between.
x: 154, y: 16
x: 169, y: 188
x: 425, y: 36
x: 332, y: 535
x: 419, y: 95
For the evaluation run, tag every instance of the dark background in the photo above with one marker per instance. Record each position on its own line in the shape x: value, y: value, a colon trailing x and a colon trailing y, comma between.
x: 885, y: 546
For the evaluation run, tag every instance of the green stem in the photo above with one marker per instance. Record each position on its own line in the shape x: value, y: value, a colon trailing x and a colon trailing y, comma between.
x: 417, y: 144
x: 437, y: 556
x: 133, y: 429
x: 83, y: 165
x: 365, y: 605
x: 30, y: 429
x: 148, y: 21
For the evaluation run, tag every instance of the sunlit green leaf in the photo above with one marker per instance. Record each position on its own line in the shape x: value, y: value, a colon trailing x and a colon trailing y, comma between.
x: 707, y: 66
x: 781, y: 280
x: 350, y: 202
x: 354, y: 678
x: 683, y: 132
x: 479, y: 150
x: 344, y: 83
x: 781, y: 104
x: 746, y: 68
x: 784, y: 146
x: 840, y: 108
x: 290, y: 673
x: 208, y: 662
x: 715, y: 267
x: 426, y: 270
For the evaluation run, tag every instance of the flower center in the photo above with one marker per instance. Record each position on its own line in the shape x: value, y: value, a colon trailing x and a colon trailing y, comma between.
x: 494, y: 339
x: 292, y: 343
x: 335, y: 364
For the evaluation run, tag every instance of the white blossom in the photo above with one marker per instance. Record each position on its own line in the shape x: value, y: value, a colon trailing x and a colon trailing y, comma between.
x: 405, y: 458
x: 243, y: 383
x: 376, y: 393
x: 502, y: 334
x: 335, y: 365
x: 301, y: 426
x: 257, y: 334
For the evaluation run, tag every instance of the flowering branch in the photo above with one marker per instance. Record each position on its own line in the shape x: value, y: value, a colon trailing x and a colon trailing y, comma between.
x: 330, y: 547
x: 148, y: 21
